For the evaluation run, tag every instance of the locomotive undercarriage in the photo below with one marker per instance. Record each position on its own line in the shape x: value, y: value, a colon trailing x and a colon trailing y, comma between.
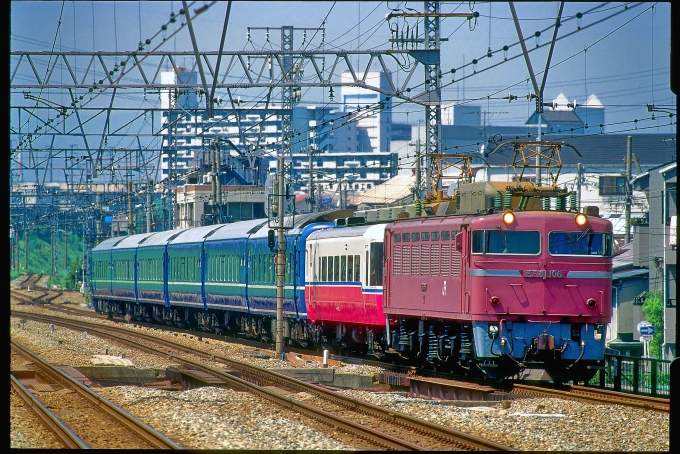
x: 433, y: 344
x: 449, y: 347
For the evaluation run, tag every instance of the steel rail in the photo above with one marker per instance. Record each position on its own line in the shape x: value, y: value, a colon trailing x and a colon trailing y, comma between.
x: 134, y: 425
x: 593, y: 395
x: 62, y: 432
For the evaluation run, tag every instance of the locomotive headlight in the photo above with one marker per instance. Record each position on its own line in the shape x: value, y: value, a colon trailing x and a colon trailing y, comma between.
x: 580, y: 219
x: 508, y: 217
x: 495, y: 301
x: 493, y: 331
x: 591, y: 302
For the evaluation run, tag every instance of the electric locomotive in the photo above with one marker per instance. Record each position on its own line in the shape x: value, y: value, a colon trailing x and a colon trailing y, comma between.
x: 502, y: 290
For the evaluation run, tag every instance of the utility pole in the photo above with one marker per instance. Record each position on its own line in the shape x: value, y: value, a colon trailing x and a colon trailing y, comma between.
x: 418, y: 171
x: 131, y: 222
x: 280, y: 263
x: 579, y: 178
x: 214, y: 167
x: 26, y: 248
x: 310, y: 198
x: 52, y: 267
x: 149, y: 222
x: 629, y: 151
x: 312, y: 148
x: 65, y: 249
x: 218, y: 170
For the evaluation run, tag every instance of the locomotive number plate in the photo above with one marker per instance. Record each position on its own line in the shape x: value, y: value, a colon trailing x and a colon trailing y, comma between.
x: 545, y: 274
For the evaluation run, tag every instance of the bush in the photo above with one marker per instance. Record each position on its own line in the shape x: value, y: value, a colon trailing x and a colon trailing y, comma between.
x: 652, y: 309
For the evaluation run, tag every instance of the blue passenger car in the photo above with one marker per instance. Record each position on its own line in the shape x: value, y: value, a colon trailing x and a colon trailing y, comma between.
x: 226, y: 266
x: 219, y: 277
x: 185, y: 266
x: 152, y: 261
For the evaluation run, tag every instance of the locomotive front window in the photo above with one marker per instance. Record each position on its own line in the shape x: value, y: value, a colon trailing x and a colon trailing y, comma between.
x: 580, y: 243
x: 506, y: 242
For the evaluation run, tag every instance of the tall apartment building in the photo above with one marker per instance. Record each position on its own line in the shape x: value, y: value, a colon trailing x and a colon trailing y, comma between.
x: 373, y: 132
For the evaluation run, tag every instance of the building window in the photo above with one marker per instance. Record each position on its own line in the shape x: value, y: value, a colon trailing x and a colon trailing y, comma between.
x: 612, y: 185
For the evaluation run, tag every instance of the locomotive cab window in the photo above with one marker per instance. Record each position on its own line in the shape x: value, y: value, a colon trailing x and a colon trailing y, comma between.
x: 580, y: 243
x: 506, y: 242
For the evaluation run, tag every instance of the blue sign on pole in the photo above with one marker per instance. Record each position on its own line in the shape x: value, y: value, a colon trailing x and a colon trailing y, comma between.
x: 647, y: 330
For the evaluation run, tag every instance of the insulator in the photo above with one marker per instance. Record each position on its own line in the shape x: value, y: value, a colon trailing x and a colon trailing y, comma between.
x: 418, y: 208
x: 546, y: 203
x: 507, y: 199
x: 559, y: 203
x: 498, y: 200
x: 572, y: 202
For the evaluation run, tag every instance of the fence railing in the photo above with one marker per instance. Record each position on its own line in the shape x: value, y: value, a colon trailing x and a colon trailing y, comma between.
x: 646, y: 376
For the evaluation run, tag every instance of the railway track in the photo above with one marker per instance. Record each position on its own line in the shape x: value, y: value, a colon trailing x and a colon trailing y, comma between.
x: 47, y: 298
x: 382, y: 428
x: 78, y: 417
x: 593, y: 395
x: 582, y: 393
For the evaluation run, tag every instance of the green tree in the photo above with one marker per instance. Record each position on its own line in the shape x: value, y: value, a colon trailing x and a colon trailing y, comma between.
x: 652, y: 309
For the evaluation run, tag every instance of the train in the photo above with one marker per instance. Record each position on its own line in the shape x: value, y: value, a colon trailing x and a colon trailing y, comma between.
x: 489, y: 282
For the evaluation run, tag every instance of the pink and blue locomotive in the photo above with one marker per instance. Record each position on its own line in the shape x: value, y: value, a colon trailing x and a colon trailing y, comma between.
x: 501, y: 292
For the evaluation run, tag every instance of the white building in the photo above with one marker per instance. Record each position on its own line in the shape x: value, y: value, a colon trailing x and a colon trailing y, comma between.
x: 373, y: 132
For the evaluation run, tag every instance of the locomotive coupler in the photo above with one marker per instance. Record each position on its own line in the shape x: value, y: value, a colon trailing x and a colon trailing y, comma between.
x: 545, y: 341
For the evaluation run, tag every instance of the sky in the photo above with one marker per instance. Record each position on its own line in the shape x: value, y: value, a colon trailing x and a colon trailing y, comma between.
x: 619, y: 52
